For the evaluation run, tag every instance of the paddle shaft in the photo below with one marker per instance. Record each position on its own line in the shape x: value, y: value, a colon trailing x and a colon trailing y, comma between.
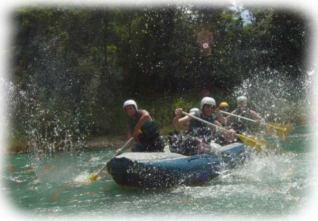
x: 203, y: 121
x: 241, y: 136
x: 117, y: 153
x: 245, y: 118
x: 124, y: 146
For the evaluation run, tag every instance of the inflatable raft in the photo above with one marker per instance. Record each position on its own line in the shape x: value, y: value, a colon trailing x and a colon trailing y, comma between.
x: 163, y: 170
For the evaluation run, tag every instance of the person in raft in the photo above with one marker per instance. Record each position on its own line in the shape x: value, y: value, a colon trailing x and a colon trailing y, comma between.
x: 142, y: 127
x: 199, y: 134
x: 223, y: 106
x: 239, y: 124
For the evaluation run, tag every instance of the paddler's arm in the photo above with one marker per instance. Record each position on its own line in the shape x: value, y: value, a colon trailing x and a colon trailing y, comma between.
x: 178, y: 120
x: 220, y: 118
x: 228, y: 134
x: 216, y: 129
x: 257, y: 117
x: 145, y: 116
x: 229, y: 117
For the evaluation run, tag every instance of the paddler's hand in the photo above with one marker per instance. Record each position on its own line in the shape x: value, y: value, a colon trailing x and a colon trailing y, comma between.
x: 136, y: 133
x: 229, y: 134
x: 232, y: 132
x: 178, y: 112
x: 217, y: 111
x: 260, y: 121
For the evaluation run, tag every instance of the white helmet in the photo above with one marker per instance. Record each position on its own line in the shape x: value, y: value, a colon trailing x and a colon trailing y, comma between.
x: 241, y: 98
x: 130, y: 102
x: 194, y: 109
x: 207, y: 100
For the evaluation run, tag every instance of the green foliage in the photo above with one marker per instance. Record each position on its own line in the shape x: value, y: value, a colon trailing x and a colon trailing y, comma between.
x: 182, y: 103
x: 75, y: 66
x: 4, y: 132
x: 17, y: 146
x: 281, y: 38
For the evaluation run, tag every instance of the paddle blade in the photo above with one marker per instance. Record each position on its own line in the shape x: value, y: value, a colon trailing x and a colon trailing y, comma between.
x: 257, y: 144
x: 93, y: 178
x: 280, y: 129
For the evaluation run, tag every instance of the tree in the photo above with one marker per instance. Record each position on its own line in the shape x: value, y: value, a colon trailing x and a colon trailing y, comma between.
x: 283, y: 40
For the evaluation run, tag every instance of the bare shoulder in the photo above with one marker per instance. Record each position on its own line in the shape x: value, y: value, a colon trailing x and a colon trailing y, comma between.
x: 144, y: 112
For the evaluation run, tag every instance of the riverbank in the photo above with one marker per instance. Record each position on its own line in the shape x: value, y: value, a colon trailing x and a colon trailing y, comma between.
x: 92, y: 143
x: 102, y: 142
x: 14, y: 147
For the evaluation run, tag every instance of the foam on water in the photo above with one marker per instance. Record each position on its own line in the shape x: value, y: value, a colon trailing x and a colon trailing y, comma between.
x: 274, y: 185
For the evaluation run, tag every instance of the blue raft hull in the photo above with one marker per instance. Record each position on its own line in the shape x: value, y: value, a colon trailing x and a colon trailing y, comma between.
x: 163, y: 170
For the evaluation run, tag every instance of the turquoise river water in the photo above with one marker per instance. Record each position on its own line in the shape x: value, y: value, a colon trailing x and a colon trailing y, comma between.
x: 272, y: 185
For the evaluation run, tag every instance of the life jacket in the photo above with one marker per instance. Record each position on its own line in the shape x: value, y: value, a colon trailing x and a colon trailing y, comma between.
x: 240, y: 125
x: 149, y: 130
x: 200, y: 129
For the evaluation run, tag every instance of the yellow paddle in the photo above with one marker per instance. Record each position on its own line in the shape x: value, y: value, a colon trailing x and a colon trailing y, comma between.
x: 257, y: 144
x: 94, y: 176
x: 249, y: 141
x: 279, y: 128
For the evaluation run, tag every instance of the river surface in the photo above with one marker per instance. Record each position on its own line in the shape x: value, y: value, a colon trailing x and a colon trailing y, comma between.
x: 55, y: 186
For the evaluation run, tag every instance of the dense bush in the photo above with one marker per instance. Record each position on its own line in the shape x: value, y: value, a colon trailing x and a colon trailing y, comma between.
x: 72, y: 67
